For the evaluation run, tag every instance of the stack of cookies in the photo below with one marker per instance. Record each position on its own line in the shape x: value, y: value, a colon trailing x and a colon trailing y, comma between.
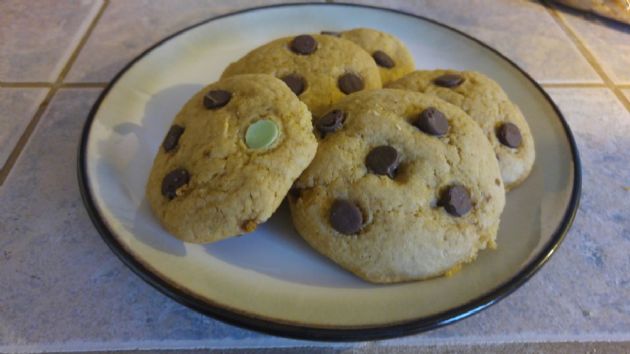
x: 394, y: 184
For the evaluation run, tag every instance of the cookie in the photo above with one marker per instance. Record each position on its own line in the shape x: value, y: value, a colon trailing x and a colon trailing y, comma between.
x: 403, y: 187
x: 485, y: 101
x: 319, y: 69
x: 614, y: 9
x: 390, y: 54
x: 229, y: 158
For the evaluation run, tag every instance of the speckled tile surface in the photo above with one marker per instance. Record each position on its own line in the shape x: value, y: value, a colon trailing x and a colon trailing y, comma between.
x: 59, y: 282
x: 130, y: 26
x: 17, y: 106
x: 522, y: 30
x: 62, y: 287
x: 520, y: 348
x: 608, y: 41
x: 37, y: 37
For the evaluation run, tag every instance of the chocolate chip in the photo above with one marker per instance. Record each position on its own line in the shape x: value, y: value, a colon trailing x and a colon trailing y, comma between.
x: 172, y: 137
x: 216, y: 99
x: 303, y: 44
x: 330, y: 122
x: 349, y: 83
x: 509, y: 135
x: 456, y: 200
x: 346, y: 217
x: 432, y: 122
x: 449, y: 80
x: 383, y: 160
x: 382, y: 59
x: 296, y: 83
x: 173, y: 181
x: 331, y: 33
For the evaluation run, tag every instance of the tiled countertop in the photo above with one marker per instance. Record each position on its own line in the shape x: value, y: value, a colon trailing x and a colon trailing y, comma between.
x: 61, y: 289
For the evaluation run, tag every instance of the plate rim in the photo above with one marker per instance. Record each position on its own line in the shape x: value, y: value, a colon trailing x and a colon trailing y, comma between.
x: 299, y: 331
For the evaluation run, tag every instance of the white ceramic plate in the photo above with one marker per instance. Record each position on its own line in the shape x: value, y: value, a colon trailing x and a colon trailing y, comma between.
x: 271, y: 280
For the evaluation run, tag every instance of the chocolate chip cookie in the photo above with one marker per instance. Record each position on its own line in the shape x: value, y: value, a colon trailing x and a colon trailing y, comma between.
x: 614, y: 9
x: 389, y: 53
x: 404, y: 186
x: 319, y: 69
x: 485, y: 101
x: 229, y: 158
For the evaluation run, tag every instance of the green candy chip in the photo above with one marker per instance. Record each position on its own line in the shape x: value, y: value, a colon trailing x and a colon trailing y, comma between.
x: 261, y: 134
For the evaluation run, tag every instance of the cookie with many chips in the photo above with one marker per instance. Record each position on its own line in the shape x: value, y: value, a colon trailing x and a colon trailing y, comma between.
x: 319, y: 69
x: 389, y: 53
x: 404, y: 186
x: 485, y: 101
x: 229, y: 158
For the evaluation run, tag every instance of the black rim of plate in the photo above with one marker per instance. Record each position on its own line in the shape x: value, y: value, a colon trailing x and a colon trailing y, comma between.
x: 317, y: 333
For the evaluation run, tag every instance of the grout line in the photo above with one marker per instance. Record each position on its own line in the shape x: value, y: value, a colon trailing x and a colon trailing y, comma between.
x: 81, y: 44
x: 84, y: 85
x: 578, y: 43
x: 50, y: 84
x: 623, y: 98
x: 4, y: 172
x: 17, y: 150
x: 608, y: 83
x: 573, y: 85
x: 25, y: 84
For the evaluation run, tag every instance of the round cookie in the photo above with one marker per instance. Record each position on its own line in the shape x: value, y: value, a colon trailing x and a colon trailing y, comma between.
x: 486, y: 102
x: 390, y: 54
x: 403, y: 187
x: 319, y: 69
x: 229, y: 158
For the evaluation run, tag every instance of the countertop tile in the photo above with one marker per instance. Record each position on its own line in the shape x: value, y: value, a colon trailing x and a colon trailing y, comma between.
x: 38, y: 37
x: 608, y: 41
x: 479, y: 348
x: 59, y: 281
x: 62, y: 286
x: 17, y: 107
x: 600, y: 239
x: 130, y: 26
x: 522, y: 30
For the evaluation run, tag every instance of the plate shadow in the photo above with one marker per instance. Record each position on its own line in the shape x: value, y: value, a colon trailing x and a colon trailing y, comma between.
x: 299, y: 263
